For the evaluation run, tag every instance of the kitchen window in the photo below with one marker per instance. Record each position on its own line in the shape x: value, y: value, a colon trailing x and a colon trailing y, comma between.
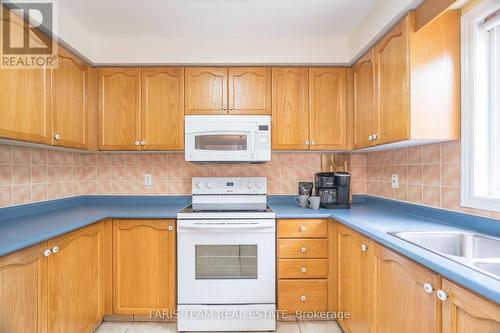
x: 481, y: 106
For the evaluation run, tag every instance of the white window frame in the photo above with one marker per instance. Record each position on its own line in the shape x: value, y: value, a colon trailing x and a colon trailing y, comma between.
x: 470, y: 115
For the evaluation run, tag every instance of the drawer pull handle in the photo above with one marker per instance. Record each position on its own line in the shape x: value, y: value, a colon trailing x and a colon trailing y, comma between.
x: 428, y: 288
x: 303, y: 250
x: 303, y: 298
x: 55, y: 249
x: 303, y: 269
x: 303, y: 228
x: 364, y: 247
x: 47, y: 253
x: 442, y: 295
x: 170, y: 228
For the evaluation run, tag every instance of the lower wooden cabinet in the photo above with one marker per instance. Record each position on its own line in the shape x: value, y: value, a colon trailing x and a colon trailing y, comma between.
x: 23, y: 291
x: 355, y: 276
x: 76, y: 280
x: 144, y: 264
x: 465, y: 312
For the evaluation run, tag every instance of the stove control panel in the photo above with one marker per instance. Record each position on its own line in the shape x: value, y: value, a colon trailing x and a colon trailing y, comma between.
x: 229, y: 185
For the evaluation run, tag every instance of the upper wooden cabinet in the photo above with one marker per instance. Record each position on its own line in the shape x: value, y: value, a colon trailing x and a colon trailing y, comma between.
x: 234, y: 90
x: 309, y: 108
x: 76, y: 280
x: 417, y: 84
x: 249, y: 90
x: 69, y: 102
x: 364, y: 99
x: 23, y: 290
x: 119, y: 109
x: 155, y: 124
x: 402, y: 304
x: 327, y: 108
x: 464, y: 311
x: 144, y: 266
x: 355, y: 276
x: 290, y: 116
x: 163, y: 108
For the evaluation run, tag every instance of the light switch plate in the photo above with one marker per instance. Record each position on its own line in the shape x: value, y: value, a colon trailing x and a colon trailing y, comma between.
x: 148, y: 179
x: 395, y: 181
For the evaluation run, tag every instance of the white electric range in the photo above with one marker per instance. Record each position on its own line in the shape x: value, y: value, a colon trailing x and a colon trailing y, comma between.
x: 226, y: 249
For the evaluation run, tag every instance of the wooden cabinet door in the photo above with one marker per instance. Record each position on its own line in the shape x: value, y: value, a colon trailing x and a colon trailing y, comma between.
x: 466, y: 312
x: 393, y: 76
x: 23, y: 291
x: 355, y: 280
x: 24, y: 93
x: 69, y: 102
x: 250, y: 90
x: 364, y: 101
x: 402, y: 304
x: 144, y: 266
x: 290, y: 116
x: 327, y: 108
x: 119, y: 109
x: 76, y: 280
x: 206, y: 90
x: 163, y: 108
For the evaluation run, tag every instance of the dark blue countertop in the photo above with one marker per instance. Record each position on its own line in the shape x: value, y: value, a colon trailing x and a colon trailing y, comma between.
x: 26, y: 225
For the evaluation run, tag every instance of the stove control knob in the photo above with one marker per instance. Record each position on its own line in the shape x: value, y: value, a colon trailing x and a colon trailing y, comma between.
x: 258, y: 184
x: 199, y: 184
x: 250, y: 184
x: 210, y: 185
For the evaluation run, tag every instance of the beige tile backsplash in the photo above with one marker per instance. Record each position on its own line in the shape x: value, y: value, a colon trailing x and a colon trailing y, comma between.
x: 35, y: 174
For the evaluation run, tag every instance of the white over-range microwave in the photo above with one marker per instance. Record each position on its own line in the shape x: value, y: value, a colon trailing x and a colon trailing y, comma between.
x: 228, y: 139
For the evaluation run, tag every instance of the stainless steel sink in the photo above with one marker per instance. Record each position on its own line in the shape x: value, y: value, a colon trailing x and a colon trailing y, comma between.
x: 474, y: 250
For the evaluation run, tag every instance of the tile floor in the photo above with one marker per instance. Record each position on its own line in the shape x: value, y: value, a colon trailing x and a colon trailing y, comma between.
x: 166, y: 327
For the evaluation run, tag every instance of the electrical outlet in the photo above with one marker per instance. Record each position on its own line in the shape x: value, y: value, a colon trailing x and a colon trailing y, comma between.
x: 395, y: 181
x: 148, y: 179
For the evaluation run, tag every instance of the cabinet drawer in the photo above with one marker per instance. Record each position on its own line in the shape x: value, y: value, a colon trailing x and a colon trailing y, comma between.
x: 303, y: 248
x: 298, y: 228
x: 303, y: 268
x: 304, y: 295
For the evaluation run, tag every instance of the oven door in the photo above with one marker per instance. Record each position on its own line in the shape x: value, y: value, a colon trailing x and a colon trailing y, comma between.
x: 226, y: 261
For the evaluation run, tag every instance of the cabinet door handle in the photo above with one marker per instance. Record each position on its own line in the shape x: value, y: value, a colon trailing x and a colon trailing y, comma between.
x: 137, y: 143
x: 428, y: 288
x: 370, y: 138
x: 230, y: 107
x: 313, y: 143
x: 224, y: 107
x: 47, y: 253
x: 374, y: 136
x: 303, y: 250
x: 303, y: 298
x: 55, y: 249
x: 306, y: 142
x: 303, y: 228
x: 364, y: 247
x: 57, y: 136
x: 143, y: 143
x: 442, y: 295
x: 303, y: 269
x: 170, y: 228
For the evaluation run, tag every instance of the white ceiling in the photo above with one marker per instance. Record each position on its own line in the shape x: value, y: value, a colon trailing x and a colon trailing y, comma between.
x: 225, y: 31
x: 221, y: 18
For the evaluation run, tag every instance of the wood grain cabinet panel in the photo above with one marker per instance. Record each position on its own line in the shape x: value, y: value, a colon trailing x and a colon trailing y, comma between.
x: 402, y: 304
x: 163, y: 108
x: 303, y: 295
x: 303, y: 228
x: 303, y: 268
x: 290, y: 116
x: 144, y: 266
x: 249, y: 90
x: 327, y: 108
x: 76, y: 280
x: 23, y: 291
x: 119, y: 109
x: 355, y: 272
x: 206, y: 90
x: 69, y: 102
x: 393, y: 81
x: 364, y: 99
x: 303, y: 248
x: 466, y: 312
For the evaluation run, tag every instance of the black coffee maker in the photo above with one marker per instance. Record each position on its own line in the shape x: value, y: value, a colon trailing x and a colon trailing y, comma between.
x: 333, y: 188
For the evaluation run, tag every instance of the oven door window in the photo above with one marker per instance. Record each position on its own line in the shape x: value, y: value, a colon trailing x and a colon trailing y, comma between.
x: 231, y: 142
x: 217, y: 262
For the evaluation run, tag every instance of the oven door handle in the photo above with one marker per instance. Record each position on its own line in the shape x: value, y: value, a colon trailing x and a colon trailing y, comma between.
x: 223, y: 227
